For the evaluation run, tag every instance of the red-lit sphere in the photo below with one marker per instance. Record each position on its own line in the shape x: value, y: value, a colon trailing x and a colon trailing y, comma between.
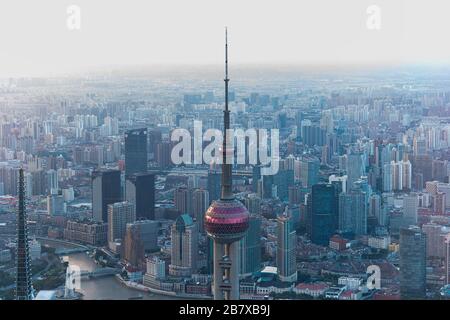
x: 226, y: 220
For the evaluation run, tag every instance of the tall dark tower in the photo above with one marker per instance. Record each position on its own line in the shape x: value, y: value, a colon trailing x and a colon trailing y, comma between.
x: 226, y: 220
x: 140, y: 190
x: 135, y: 151
x: 24, y: 289
x: 105, y: 190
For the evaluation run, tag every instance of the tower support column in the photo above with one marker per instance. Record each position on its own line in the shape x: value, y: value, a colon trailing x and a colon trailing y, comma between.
x: 218, y: 272
x: 234, y: 270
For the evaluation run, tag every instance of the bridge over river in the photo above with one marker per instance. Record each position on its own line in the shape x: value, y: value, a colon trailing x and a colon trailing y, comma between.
x: 100, y: 272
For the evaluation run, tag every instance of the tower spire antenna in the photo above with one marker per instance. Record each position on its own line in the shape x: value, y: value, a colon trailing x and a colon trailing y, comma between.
x: 226, y: 192
x: 226, y: 55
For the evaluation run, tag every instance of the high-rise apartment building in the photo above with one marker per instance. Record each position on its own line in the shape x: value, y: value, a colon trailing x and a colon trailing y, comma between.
x: 435, y: 240
x: 119, y: 214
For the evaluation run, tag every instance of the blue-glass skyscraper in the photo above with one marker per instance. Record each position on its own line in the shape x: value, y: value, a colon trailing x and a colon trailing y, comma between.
x: 282, y: 180
x: 324, y: 212
x: 251, y: 246
x: 214, y: 177
x: 412, y: 263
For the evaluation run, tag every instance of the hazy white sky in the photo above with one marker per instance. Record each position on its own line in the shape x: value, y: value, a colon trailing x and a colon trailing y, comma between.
x: 34, y: 38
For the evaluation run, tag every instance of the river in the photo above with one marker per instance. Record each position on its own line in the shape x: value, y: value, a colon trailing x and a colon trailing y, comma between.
x: 106, y: 288
x: 103, y: 288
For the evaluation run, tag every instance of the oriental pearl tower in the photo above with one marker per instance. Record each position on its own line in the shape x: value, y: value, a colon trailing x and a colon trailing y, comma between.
x: 226, y: 220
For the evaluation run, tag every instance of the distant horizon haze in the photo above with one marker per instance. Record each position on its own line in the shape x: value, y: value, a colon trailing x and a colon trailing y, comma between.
x: 36, y: 39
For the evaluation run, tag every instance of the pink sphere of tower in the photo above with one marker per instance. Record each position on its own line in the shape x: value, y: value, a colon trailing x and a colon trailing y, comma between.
x: 226, y: 220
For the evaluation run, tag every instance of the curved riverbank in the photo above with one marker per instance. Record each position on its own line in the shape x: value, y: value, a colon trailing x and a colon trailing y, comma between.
x: 103, y: 288
x: 173, y: 294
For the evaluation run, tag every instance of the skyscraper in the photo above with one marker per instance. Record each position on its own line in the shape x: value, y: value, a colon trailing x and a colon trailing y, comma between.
x: 324, y: 212
x: 251, y: 247
x: 200, y: 202
x: 420, y: 146
x: 309, y: 171
x: 52, y: 181
x: 282, y: 180
x: 353, y: 212
x: 24, y: 287
x: 397, y: 176
x: 162, y: 154
x: 135, y: 151
x: 439, y: 170
x: 375, y: 209
x: 295, y: 196
x: 134, y: 251
x: 412, y: 263
x: 439, y: 200
x: 148, y: 233
x: 253, y: 203
x: 286, y: 247
x: 140, y: 190
x: 184, y: 235
x: 355, y: 168
x: 214, y: 185
x: 256, y: 176
x: 268, y: 191
x: 226, y: 220
x: 119, y: 214
x: 410, y: 209
x: 182, y: 197
x: 312, y: 134
x: 435, y: 240
x: 154, y: 137
x: 55, y: 205
x: 105, y: 190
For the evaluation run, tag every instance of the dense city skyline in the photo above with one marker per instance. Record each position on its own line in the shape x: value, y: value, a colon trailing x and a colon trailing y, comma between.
x: 312, y: 179
x: 396, y: 122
